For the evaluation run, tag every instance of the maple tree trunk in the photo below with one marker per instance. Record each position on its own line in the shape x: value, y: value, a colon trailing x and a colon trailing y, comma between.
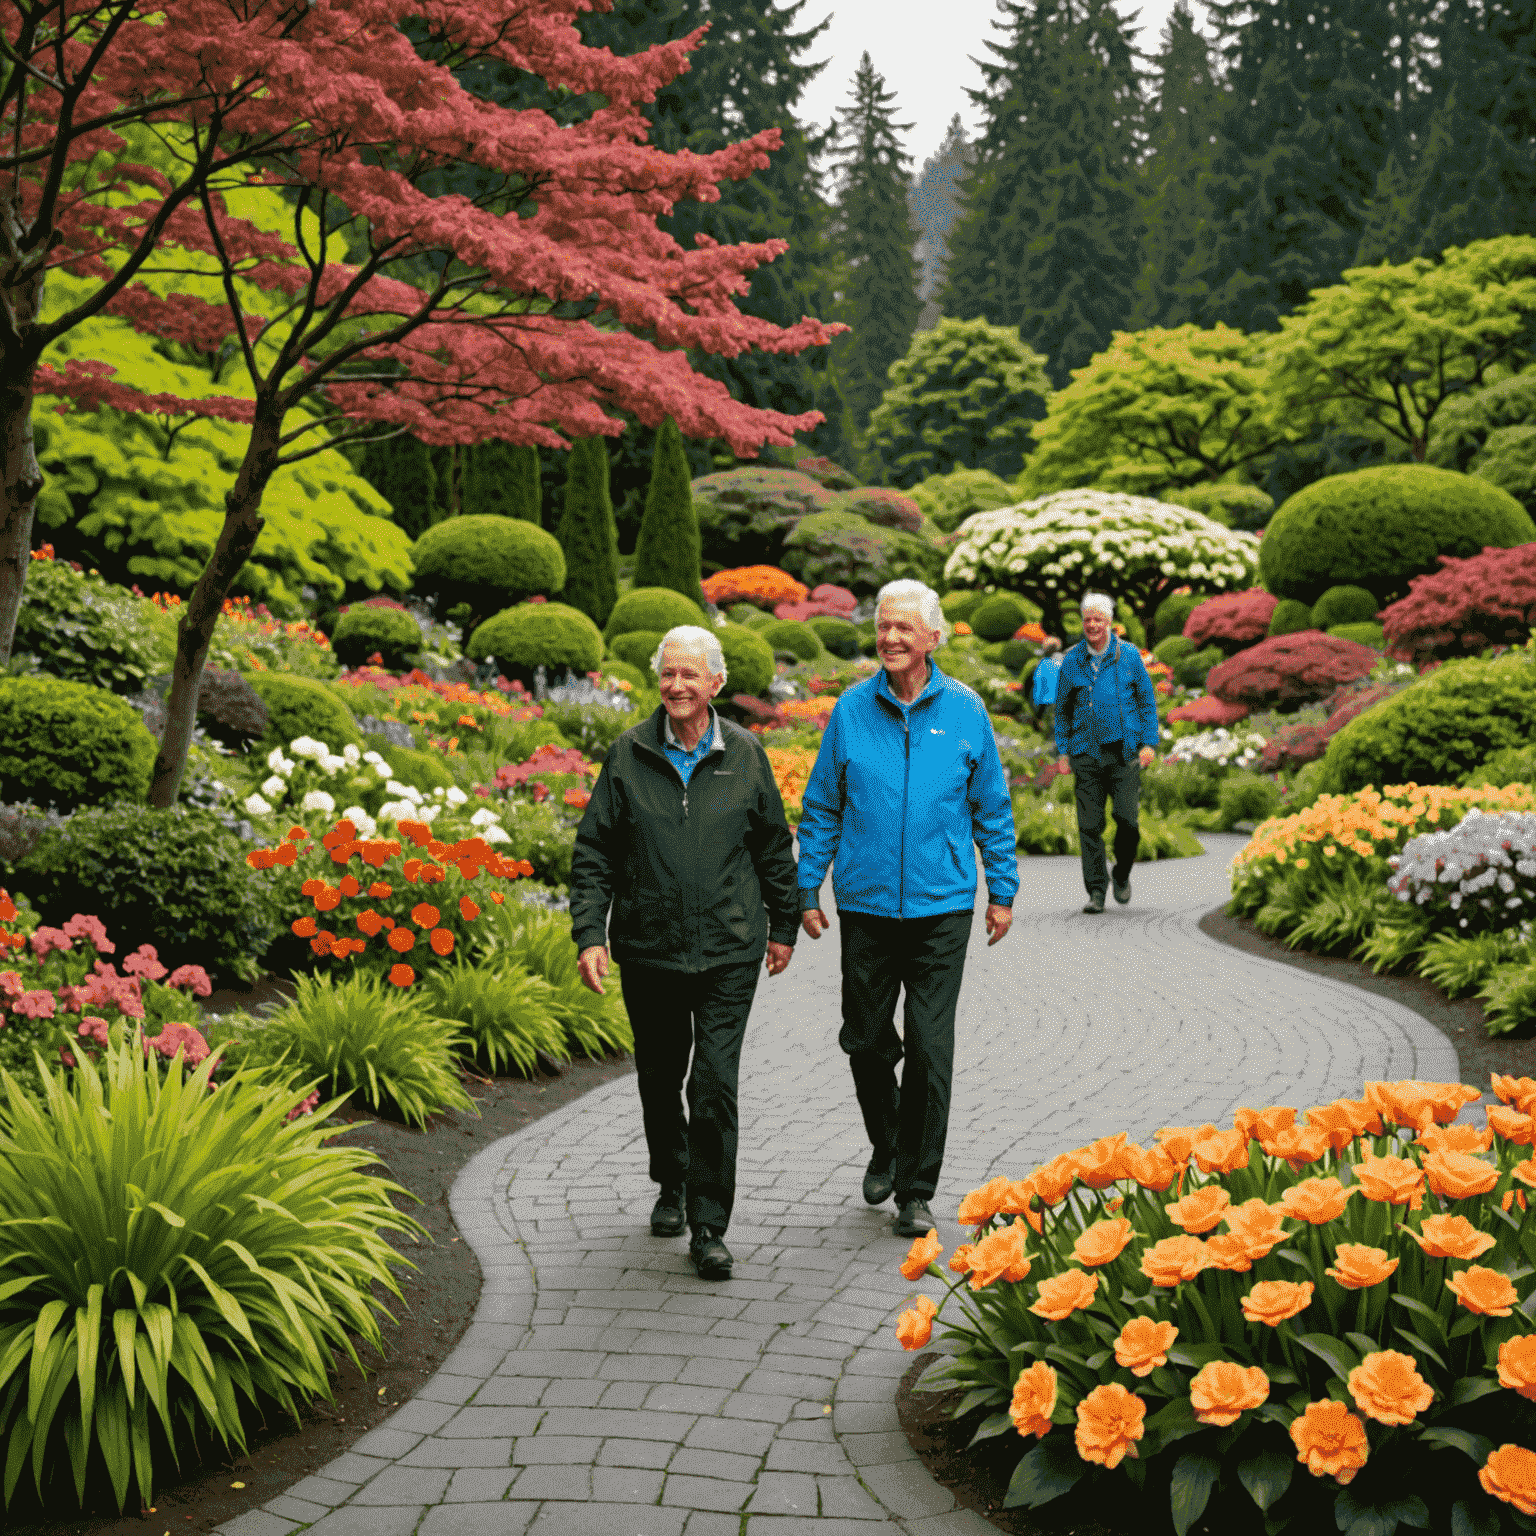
x: 194, y: 633
x: 21, y: 478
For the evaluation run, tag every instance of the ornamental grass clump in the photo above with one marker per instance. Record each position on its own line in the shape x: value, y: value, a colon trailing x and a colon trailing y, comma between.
x: 178, y: 1263
x: 1349, y: 1292
x: 506, y: 1014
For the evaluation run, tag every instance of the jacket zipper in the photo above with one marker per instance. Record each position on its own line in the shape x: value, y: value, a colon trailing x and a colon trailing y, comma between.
x: 906, y: 775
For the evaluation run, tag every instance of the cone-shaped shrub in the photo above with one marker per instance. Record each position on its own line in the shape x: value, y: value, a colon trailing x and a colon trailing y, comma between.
x: 586, y: 532
x: 501, y: 480
x: 667, y: 552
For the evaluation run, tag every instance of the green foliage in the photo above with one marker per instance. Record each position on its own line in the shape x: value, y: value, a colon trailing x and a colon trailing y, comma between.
x: 1246, y: 797
x: 502, y: 480
x: 965, y: 396
x: 541, y: 834
x: 549, y: 635
x: 68, y: 744
x: 424, y: 770
x: 156, y: 1289
x: 301, y: 706
x: 363, y: 630
x: 1361, y: 634
x: 1000, y: 616
x: 1509, y: 765
x: 837, y: 635
x: 638, y: 677
x: 83, y: 628
x: 637, y: 647
x: 1440, y: 728
x: 795, y: 636
x: 1047, y: 827
x: 1238, y: 506
x: 1343, y: 605
x: 652, y: 608
x: 365, y: 1037
x: 400, y: 470
x: 1460, y: 966
x: 950, y: 499
x: 486, y: 563
x: 667, y: 552
x: 173, y: 878
x: 847, y: 551
x: 1291, y: 617
x: 1508, y: 460
x: 587, y: 532
x: 1378, y: 528
x: 1190, y: 670
x: 507, y: 1015
x: 1465, y: 422
x: 593, y: 728
x: 1509, y: 998
x: 1173, y: 649
x: 749, y: 661
x: 744, y: 515
x: 959, y: 606
x: 1170, y: 614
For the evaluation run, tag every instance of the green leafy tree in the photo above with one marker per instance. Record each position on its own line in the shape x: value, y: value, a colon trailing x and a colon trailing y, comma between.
x: 1387, y: 347
x: 1157, y: 410
x: 400, y: 469
x: 667, y: 553
x: 964, y: 397
x: 1050, y: 237
x: 502, y: 480
x: 586, y: 532
x: 872, y: 228
x: 935, y: 205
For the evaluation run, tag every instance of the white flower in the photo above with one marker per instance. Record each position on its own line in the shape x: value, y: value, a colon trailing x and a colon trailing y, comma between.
x: 332, y: 764
x: 276, y: 787
x: 485, y: 817
x: 393, y: 810
x: 365, y: 824
x: 256, y: 806
x: 405, y: 791
x: 280, y: 764
x: 351, y: 754
x: 495, y: 835
x: 318, y: 800
x: 456, y: 796
x: 307, y: 746
x: 377, y: 761
x: 429, y: 813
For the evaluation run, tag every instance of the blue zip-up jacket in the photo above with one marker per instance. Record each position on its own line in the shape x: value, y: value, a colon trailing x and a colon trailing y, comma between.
x: 898, y: 801
x: 1123, y: 675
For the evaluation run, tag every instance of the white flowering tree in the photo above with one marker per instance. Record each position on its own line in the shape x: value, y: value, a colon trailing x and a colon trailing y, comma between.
x: 1055, y: 549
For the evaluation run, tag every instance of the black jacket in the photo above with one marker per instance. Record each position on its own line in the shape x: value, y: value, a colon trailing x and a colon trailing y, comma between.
x: 696, y: 877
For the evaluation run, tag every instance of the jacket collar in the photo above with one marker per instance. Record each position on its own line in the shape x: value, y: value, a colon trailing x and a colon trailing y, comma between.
x: 655, y: 734
x: 1111, y: 651
x: 713, y: 740
x: 935, y: 684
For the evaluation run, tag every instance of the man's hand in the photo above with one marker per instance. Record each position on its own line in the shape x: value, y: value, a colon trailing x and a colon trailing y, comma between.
x: 999, y: 921
x: 779, y: 955
x: 1147, y: 755
x: 1064, y: 765
x: 592, y: 962
x: 814, y: 921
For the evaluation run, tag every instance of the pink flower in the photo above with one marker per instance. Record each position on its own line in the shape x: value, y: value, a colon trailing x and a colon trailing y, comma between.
x: 66, y: 1057
x: 10, y: 984
x: 93, y: 1028
x: 144, y: 962
x: 307, y: 1107
x: 193, y: 977
x: 46, y: 940
x: 176, y: 1036
x: 35, y: 1005
x: 91, y: 929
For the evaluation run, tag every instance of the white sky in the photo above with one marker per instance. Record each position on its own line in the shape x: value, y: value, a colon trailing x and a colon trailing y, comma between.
x: 924, y: 49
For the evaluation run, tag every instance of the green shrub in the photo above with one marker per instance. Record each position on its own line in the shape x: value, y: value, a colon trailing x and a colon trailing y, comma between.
x: 486, y: 564
x: 637, y: 649
x: 1174, y: 649
x: 950, y: 499
x: 838, y: 635
x: 365, y: 629
x: 1237, y: 506
x: 1509, y: 765
x: 1509, y: 998
x: 1246, y: 797
x: 365, y: 1037
x: 1361, y: 634
x: 959, y: 606
x: 148, y: 1253
x: 668, y: 548
x: 745, y: 613
x: 795, y: 636
x: 652, y: 608
x: 87, y: 630
x: 507, y: 1015
x: 302, y: 706
x: 1343, y: 605
x: 1000, y: 616
x: 548, y: 635
x: 880, y: 505
x: 1459, y: 966
x: 1378, y: 528
x: 1438, y: 729
x: 1508, y: 460
x: 1291, y: 617
x: 744, y: 515
x: 542, y: 834
x: 1172, y: 786
x: 68, y: 744
x: 844, y: 549
x: 749, y: 660
x: 173, y: 878
x: 1017, y: 654
x: 1173, y: 611
x: 425, y: 770
x: 1464, y: 425
x: 639, y: 677
x: 1191, y: 670
x: 758, y: 620
x: 229, y: 709
x: 587, y: 532
x: 593, y: 728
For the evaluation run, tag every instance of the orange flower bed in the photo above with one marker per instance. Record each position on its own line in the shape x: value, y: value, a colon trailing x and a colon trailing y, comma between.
x: 763, y: 585
x: 791, y: 771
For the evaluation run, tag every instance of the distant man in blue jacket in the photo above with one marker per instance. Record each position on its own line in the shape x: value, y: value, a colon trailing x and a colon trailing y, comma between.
x: 1106, y: 728
x: 907, y: 781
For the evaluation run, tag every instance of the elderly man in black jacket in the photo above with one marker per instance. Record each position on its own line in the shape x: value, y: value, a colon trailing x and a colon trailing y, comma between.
x: 683, y: 860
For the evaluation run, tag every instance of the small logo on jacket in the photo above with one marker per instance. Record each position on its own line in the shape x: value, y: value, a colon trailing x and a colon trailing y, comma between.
x: 933, y: 730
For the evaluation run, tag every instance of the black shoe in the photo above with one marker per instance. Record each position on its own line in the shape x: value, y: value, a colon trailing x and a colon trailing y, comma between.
x: 879, y: 1179
x: 710, y: 1256
x: 1095, y: 903
x: 915, y: 1220
x: 1123, y: 890
x: 667, y: 1215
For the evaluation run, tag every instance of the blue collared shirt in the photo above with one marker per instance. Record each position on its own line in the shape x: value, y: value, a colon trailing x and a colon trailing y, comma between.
x: 685, y: 760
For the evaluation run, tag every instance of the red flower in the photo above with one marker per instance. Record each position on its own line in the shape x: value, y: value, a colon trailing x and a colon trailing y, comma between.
x: 401, y: 975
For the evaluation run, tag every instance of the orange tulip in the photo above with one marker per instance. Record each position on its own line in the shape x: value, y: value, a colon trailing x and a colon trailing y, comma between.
x: 1103, y: 1242
x: 1152, y: 1168
x: 1143, y: 1345
x: 1034, y: 1400
x: 1178, y: 1141
x: 999, y: 1256
x: 1110, y: 1420
x: 1330, y: 1441
x: 960, y: 1259
x: 1514, y: 1127
x: 1451, y: 1237
x: 1459, y: 1175
x: 425, y: 915
x: 1387, y: 1387
x: 1517, y: 1364
x: 1222, y: 1392
x: 1101, y: 1164
x: 1526, y: 1171
x: 304, y: 927
x: 923, y: 1252
x: 1483, y: 1291
x: 1018, y: 1200
x: 327, y: 899
x: 467, y: 909
x: 381, y: 891
x: 1456, y: 1138
x: 1337, y: 1122
x: 349, y: 885
x: 402, y: 940
x: 1509, y: 1197
x: 1518, y: 1092
x: 1394, y: 1180
x: 1257, y: 1124
x: 1225, y: 1152
x: 369, y: 922
x: 1256, y: 1226
x: 1201, y: 1209
x: 1053, y: 1181
x: 1061, y: 1295
x: 1359, y: 1266
x: 981, y: 1205
x: 1174, y: 1260
x: 1317, y: 1201
x: 1510, y: 1474
x: 915, y: 1326
x: 1228, y: 1253
x: 1273, y: 1301
x: 1297, y: 1144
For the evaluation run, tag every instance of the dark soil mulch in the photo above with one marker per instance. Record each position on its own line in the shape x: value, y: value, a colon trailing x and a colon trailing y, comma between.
x: 440, y: 1298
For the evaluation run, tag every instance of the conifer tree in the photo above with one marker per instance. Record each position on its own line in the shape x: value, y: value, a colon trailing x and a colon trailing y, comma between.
x: 400, y: 469
x: 667, y: 553
x: 502, y: 480
x: 935, y: 203
x: 586, y: 532
x: 874, y: 235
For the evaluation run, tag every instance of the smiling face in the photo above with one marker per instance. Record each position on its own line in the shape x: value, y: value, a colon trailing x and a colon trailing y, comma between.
x: 902, y: 638
x: 687, y: 684
x: 1095, y: 627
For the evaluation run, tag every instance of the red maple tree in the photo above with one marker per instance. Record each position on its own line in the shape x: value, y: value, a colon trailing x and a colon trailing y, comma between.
x: 519, y: 309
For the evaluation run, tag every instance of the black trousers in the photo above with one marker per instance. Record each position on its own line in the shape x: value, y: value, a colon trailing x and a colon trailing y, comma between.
x: 1096, y: 783
x: 926, y: 957
x: 675, y: 1015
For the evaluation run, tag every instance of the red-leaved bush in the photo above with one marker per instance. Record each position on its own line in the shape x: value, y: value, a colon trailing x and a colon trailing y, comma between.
x: 1288, y: 670
x: 884, y: 507
x: 1468, y: 605
x: 826, y: 601
x: 1209, y: 711
x: 1232, y: 621
x: 1294, y: 745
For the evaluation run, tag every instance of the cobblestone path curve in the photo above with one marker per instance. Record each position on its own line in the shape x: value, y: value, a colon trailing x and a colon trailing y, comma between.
x: 603, y: 1390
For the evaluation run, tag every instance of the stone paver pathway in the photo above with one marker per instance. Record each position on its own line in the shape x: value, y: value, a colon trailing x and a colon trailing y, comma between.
x: 603, y: 1390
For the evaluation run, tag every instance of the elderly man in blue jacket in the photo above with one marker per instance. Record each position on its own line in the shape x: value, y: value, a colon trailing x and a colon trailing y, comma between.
x: 907, y: 782
x: 1106, y: 728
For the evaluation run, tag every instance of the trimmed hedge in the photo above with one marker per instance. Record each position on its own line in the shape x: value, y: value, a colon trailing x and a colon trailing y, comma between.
x: 1000, y: 617
x: 849, y: 551
x: 1234, y: 506
x: 489, y: 563
x: 301, y: 706
x: 1343, y: 605
x: 745, y: 515
x: 1191, y: 670
x: 883, y: 507
x: 425, y: 770
x: 959, y: 606
x: 657, y: 608
x: 749, y: 660
x: 1290, y: 618
x: 1370, y: 634
x: 1379, y: 528
x: 636, y: 649
x: 69, y: 744
x: 1174, y: 649
x: 549, y: 635
x: 365, y: 629
x: 838, y: 635
x: 795, y: 636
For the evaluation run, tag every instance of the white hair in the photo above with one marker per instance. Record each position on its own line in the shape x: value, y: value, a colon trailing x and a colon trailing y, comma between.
x: 690, y: 637
x: 913, y: 594
x: 1104, y: 605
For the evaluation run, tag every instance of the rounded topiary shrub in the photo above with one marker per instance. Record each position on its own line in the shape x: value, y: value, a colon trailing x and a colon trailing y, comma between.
x: 1439, y: 729
x: 486, y: 563
x: 887, y: 508
x: 1237, y: 506
x: 1362, y: 634
x: 1232, y: 621
x: 1290, y: 670
x: 1000, y: 617
x: 69, y: 744
x: 745, y: 515
x: 657, y: 608
x: 1191, y: 670
x: 849, y: 551
x: 366, y: 630
x: 959, y: 606
x: 1379, y: 528
x: 229, y: 709
x: 424, y: 770
x: 301, y: 706
x: 1343, y: 605
x: 1174, y: 649
x: 838, y: 635
x: 749, y: 661
x: 636, y: 648
x: 623, y: 671
x: 548, y: 635
x: 794, y: 636
x: 1172, y: 612
x: 1017, y: 654
x: 1290, y: 618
